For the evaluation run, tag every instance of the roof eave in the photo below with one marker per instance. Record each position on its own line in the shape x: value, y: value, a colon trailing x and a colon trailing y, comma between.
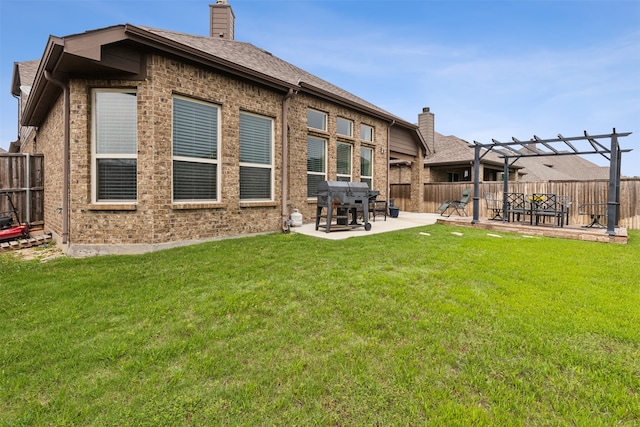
x: 41, y: 85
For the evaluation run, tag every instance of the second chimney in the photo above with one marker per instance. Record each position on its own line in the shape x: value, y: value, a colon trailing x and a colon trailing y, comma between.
x: 222, y: 20
x: 426, y: 124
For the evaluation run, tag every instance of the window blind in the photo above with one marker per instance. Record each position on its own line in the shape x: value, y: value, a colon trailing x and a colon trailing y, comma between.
x: 194, y: 181
x: 117, y: 179
x: 195, y: 129
x: 116, y: 123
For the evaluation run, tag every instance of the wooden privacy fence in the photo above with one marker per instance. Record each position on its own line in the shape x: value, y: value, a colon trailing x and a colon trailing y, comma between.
x: 22, y: 177
x: 579, y: 191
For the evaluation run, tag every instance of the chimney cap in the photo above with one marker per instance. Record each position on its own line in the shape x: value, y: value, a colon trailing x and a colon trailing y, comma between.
x: 426, y: 109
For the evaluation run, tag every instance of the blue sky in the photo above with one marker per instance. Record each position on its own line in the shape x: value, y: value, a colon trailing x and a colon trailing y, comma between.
x: 487, y: 69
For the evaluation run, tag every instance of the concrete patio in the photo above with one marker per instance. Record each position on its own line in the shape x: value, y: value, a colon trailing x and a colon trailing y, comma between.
x: 412, y: 219
x: 404, y: 220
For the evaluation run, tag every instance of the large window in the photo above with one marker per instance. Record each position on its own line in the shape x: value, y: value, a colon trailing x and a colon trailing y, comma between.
x: 344, y: 127
x: 256, y: 148
x: 343, y: 166
x: 316, y: 164
x: 366, y: 166
x: 317, y: 119
x: 195, y: 150
x: 114, y: 146
x: 366, y: 133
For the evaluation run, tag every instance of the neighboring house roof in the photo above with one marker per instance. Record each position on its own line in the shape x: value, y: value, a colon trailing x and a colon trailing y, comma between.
x: 23, y: 75
x: 451, y: 150
x: 108, y: 52
x: 560, y: 167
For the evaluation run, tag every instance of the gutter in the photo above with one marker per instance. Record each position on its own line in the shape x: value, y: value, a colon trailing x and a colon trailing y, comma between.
x: 285, y: 159
x: 65, y: 155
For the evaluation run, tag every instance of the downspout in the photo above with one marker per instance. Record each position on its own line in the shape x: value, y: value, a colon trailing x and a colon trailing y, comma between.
x: 285, y: 160
x: 65, y: 155
x: 19, y: 115
x: 393, y: 122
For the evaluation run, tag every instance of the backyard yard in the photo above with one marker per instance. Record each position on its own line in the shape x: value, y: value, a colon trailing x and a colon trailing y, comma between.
x: 434, y: 325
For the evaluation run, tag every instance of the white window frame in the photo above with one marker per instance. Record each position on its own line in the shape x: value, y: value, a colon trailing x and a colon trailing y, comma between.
x: 343, y: 175
x: 367, y: 177
x: 215, y: 161
x: 261, y: 165
x: 363, y: 131
x: 347, y: 122
x: 322, y: 174
x: 95, y: 156
x: 311, y: 112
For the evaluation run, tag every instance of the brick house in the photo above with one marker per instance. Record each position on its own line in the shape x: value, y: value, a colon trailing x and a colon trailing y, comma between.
x: 154, y: 139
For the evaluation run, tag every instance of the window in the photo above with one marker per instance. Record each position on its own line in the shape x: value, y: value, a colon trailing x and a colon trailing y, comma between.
x: 114, y: 146
x: 195, y: 150
x: 256, y: 148
x: 316, y: 164
x: 366, y: 166
x: 343, y: 166
x: 366, y: 133
x: 344, y: 127
x: 317, y: 120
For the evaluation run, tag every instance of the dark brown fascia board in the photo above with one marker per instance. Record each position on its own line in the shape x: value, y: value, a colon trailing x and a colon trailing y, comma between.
x: 89, y: 45
x: 149, y: 39
x: 50, y: 58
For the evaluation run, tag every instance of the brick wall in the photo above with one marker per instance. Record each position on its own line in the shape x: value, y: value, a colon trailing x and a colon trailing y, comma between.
x: 155, y: 221
x: 298, y: 133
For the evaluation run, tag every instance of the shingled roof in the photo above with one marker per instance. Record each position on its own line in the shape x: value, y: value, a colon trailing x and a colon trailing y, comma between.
x: 563, y: 168
x: 449, y: 150
x: 259, y: 60
x: 241, y: 58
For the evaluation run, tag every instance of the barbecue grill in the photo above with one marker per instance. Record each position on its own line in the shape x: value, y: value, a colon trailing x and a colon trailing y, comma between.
x: 347, y: 199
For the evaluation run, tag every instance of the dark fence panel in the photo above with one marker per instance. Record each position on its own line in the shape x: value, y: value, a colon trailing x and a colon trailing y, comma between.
x: 22, y: 177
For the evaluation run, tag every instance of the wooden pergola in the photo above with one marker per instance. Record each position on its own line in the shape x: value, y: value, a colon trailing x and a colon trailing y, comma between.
x: 578, y: 145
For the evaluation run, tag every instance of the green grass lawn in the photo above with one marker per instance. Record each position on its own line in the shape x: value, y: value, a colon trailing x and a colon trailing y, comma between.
x: 399, y: 328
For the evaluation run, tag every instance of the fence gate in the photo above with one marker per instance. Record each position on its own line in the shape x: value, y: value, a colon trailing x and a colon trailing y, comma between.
x: 22, y: 177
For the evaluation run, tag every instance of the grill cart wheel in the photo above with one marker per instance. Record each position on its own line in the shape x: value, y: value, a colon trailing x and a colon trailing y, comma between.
x: 367, y: 227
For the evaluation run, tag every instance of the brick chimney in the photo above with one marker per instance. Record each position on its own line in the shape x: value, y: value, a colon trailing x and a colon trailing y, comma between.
x: 426, y: 124
x: 222, y: 20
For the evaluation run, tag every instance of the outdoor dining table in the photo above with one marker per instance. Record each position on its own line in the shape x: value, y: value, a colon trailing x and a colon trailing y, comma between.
x: 538, y: 207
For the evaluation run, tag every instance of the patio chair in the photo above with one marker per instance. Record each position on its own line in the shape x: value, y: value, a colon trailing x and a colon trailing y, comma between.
x: 565, y: 201
x: 546, y: 205
x: 456, y: 206
x: 516, y: 207
x: 494, y: 205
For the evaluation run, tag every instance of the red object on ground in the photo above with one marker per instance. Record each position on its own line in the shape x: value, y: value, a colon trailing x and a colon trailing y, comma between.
x: 15, y: 232
x: 10, y: 226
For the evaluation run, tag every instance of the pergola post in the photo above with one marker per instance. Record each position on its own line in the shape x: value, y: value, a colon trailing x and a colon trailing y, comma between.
x: 505, y: 189
x: 614, y: 177
x: 476, y: 186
